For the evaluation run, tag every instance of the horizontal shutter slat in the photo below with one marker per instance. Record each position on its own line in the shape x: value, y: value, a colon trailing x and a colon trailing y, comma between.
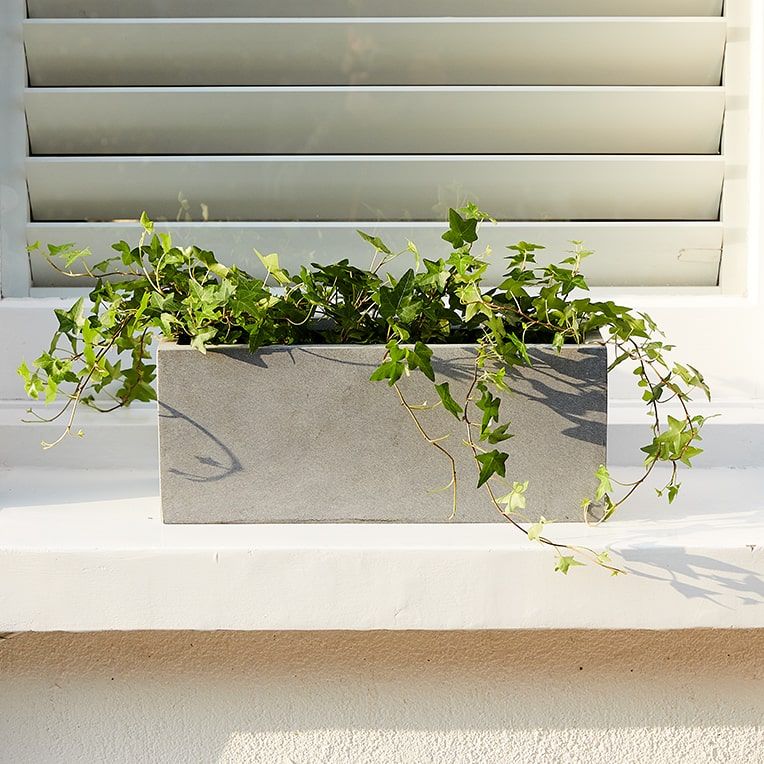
x: 654, y: 254
x: 291, y: 8
x: 392, y: 188
x: 380, y: 120
x: 286, y: 121
x: 449, y: 51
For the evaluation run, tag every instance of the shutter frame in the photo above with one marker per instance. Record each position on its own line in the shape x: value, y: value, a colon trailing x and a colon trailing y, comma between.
x: 586, y: 135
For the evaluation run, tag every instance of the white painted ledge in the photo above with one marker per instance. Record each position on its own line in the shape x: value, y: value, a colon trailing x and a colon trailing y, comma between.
x: 87, y: 551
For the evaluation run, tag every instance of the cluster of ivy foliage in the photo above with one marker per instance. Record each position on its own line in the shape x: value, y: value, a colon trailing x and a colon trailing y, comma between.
x: 100, y: 351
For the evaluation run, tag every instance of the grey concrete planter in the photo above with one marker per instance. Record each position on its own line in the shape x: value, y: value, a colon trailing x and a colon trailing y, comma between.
x: 300, y: 434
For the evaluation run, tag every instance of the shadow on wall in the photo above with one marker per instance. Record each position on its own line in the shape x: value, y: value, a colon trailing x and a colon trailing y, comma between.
x: 221, y: 459
x: 698, y: 576
x: 383, y: 696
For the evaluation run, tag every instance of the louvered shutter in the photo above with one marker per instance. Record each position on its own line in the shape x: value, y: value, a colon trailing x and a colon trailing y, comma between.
x: 285, y: 125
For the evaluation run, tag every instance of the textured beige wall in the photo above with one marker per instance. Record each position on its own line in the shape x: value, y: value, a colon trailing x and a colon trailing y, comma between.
x: 383, y: 697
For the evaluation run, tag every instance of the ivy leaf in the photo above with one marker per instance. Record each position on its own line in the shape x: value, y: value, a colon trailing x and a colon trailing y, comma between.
x: 419, y: 358
x: 129, y: 256
x: 521, y: 348
x: 73, y: 319
x: 491, y: 463
x: 222, y: 271
x: 201, y: 338
x: 605, y: 485
x: 537, y: 529
x: 24, y: 372
x: 147, y: 223
x: 514, y: 501
x: 565, y: 563
x: 460, y: 231
x: 166, y: 320
x: 489, y: 405
x: 411, y: 247
x: 51, y: 390
x: 375, y: 242
x: 436, y: 274
x: 165, y: 239
x: 271, y: 263
x: 392, y: 371
x: 471, y: 210
x: 497, y: 435
x: 392, y: 299
x: 393, y: 368
x: 449, y: 404
x: 603, y: 558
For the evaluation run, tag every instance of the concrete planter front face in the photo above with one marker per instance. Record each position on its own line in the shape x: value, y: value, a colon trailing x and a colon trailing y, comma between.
x: 299, y: 434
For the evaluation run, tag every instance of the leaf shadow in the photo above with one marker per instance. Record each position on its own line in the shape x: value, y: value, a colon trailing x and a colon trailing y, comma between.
x: 226, y: 466
x: 698, y: 576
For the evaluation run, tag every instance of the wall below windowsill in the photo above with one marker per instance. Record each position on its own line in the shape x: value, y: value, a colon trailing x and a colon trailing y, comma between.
x: 82, y: 551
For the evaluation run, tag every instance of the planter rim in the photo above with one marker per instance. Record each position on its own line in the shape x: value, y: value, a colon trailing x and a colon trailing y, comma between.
x: 167, y: 344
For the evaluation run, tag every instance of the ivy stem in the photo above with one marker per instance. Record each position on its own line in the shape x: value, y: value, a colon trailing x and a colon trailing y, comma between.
x: 433, y: 442
x: 558, y: 547
x: 74, y: 399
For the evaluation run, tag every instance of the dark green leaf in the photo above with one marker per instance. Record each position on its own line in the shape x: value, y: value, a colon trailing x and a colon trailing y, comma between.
x: 491, y: 463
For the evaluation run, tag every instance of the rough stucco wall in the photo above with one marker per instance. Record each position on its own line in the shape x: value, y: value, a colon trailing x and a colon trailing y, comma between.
x: 383, y: 697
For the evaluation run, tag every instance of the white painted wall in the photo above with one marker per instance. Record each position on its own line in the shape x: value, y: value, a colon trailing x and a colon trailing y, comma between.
x: 615, y: 697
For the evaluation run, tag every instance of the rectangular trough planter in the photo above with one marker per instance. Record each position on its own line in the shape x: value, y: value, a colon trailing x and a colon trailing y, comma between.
x: 299, y: 434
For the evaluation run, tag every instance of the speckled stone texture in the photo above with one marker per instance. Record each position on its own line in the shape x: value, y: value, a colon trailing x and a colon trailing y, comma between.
x: 299, y: 434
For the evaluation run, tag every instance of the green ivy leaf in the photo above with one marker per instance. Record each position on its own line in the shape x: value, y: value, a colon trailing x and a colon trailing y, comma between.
x: 419, y: 358
x: 271, y: 264
x: 449, y: 404
x: 392, y: 371
x: 489, y: 405
x: 147, y: 223
x: 460, y: 231
x: 491, y: 463
x: 497, y: 435
x: 375, y: 242
x: 392, y: 299
x: 222, y: 271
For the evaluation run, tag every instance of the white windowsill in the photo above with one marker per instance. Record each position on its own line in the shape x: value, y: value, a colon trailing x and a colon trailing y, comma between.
x: 88, y: 551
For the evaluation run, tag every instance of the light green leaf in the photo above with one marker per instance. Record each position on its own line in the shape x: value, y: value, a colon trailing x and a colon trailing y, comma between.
x: 165, y: 239
x: 514, y: 501
x: 536, y: 530
x: 147, y: 223
x: 201, y: 338
x: 271, y: 263
x: 449, y: 404
x: 605, y: 485
x: 375, y: 242
x: 565, y: 563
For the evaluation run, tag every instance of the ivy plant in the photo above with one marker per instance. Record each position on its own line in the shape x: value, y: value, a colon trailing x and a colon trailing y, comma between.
x: 99, y: 355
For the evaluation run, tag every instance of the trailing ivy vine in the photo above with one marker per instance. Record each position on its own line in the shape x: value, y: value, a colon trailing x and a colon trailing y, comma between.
x: 100, y: 350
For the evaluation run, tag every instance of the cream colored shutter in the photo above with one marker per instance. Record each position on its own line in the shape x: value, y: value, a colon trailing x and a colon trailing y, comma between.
x: 285, y: 125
